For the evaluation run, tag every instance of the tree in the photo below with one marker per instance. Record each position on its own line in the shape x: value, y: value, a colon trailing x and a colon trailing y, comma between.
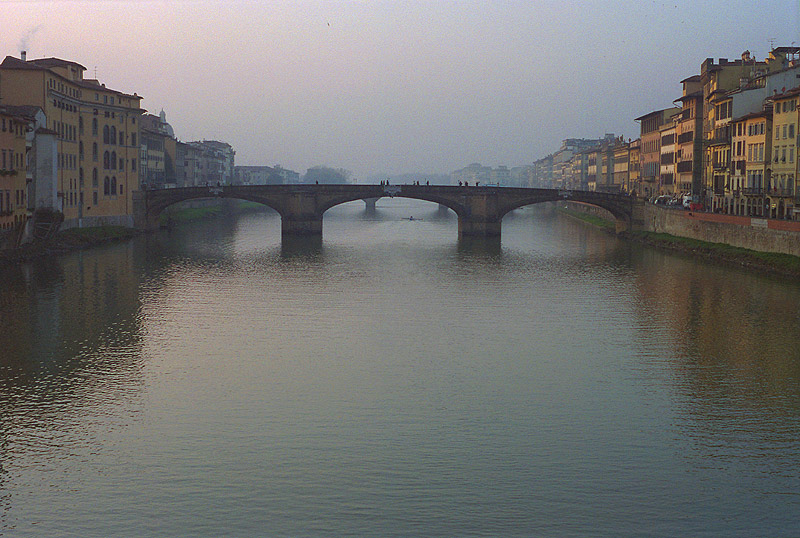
x: 325, y: 174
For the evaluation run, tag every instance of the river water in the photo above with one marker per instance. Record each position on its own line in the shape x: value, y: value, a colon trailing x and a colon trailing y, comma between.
x: 391, y: 380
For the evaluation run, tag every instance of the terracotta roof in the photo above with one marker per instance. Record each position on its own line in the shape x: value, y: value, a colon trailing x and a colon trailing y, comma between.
x: 54, y: 62
x: 24, y: 111
x: 788, y: 93
x: 653, y: 113
x: 15, y: 63
x: 760, y: 114
x: 45, y: 64
x: 693, y: 95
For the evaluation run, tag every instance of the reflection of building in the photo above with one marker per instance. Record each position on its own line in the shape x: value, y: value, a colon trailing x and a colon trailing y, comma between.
x: 97, y: 128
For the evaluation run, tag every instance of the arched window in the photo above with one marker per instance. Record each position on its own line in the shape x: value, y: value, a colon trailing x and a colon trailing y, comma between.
x: 80, y: 149
x: 114, y: 186
x: 106, y: 158
x: 94, y: 125
x: 113, y: 159
x: 112, y: 137
x: 106, y: 186
x: 80, y: 176
x: 94, y: 178
x: 80, y: 125
x: 94, y: 151
x: 105, y: 134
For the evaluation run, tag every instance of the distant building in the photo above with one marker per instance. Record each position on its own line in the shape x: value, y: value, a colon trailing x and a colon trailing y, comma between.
x: 258, y: 175
x: 666, y: 174
x: 650, y: 150
x: 471, y: 174
x: 216, y: 162
x: 500, y: 176
x: 689, y: 131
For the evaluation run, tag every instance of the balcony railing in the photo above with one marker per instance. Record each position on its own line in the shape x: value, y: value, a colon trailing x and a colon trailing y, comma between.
x: 720, y: 140
x: 784, y: 192
x: 753, y: 191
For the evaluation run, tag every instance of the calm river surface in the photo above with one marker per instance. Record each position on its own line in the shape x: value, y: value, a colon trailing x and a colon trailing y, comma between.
x: 390, y: 380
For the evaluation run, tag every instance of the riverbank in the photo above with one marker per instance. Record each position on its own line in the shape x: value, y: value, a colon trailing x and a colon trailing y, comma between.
x: 83, y: 238
x: 768, y: 262
x: 68, y: 241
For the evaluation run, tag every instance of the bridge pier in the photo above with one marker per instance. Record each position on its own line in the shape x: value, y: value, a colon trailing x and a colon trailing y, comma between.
x: 301, y: 225
x: 370, y: 202
x: 468, y: 227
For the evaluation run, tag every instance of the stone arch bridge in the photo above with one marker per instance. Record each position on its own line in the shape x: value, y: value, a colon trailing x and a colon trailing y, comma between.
x: 480, y: 210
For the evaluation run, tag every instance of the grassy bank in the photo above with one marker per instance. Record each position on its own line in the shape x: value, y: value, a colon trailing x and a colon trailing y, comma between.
x: 589, y: 219
x: 179, y: 215
x: 188, y: 214
x: 770, y: 262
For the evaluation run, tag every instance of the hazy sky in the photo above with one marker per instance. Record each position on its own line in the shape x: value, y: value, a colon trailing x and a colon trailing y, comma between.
x: 396, y: 87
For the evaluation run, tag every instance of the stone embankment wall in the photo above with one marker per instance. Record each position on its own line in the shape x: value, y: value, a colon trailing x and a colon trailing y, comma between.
x: 763, y: 235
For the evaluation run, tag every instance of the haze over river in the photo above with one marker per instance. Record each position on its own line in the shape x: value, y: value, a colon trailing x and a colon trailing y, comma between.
x: 391, y: 380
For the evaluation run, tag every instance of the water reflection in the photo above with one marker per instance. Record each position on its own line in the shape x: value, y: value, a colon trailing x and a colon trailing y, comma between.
x: 390, y: 359
x: 70, y: 366
x: 302, y: 247
x: 480, y: 248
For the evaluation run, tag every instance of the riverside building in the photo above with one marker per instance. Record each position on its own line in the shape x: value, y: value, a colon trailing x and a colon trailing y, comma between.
x: 97, y: 138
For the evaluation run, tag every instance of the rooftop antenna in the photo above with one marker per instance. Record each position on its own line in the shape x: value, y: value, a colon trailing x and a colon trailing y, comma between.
x: 95, y: 72
x: 771, y: 41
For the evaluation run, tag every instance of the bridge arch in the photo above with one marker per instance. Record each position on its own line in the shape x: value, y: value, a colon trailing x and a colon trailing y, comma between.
x: 155, y: 202
x: 619, y: 206
x: 480, y: 210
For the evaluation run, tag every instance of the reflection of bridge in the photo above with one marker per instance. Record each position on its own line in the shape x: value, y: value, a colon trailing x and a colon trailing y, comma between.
x: 480, y: 210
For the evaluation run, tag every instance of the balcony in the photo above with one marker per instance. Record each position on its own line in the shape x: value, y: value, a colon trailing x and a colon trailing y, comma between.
x: 753, y: 191
x: 785, y: 192
x: 721, y: 167
x: 720, y: 140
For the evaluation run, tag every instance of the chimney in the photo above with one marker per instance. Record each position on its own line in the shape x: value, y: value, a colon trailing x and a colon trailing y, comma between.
x: 23, y: 55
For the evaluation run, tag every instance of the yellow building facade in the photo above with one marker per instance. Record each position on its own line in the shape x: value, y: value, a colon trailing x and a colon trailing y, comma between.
x: 784, y: 180
x: 13, y: 170
x: 98, y: 136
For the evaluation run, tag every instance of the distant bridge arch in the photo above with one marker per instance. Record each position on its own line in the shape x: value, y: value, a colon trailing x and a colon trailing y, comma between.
x: 480, y: 210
